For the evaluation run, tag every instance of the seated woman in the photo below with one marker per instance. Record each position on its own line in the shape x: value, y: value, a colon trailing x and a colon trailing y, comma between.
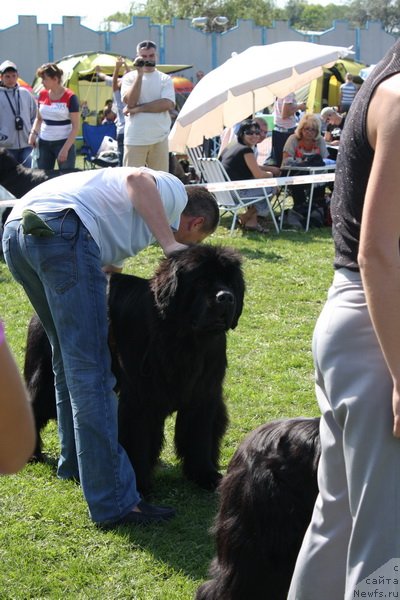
x: 240, y: 163
x: 334, y: 126
x: 305, y: 144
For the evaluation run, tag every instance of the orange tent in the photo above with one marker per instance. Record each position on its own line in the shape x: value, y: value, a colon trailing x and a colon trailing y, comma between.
x: 23, y: 83
x: 182, y: 85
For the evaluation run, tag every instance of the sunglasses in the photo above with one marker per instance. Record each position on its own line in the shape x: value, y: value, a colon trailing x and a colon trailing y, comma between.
x: 252, y: 132
x: 310, y: 129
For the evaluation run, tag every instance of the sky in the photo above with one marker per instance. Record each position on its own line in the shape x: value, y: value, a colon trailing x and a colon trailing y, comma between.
x: 92, y: 12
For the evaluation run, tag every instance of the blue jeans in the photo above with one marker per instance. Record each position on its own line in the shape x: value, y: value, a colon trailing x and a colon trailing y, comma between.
x: 22, y: 155
x: 63, y: 279
x: 262, y: 206
x: 48, y: 152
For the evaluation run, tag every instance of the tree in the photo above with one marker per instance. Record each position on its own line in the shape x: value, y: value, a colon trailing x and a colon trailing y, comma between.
x: 386, y: 11
x: 163, y: 11
x: 300, y: 14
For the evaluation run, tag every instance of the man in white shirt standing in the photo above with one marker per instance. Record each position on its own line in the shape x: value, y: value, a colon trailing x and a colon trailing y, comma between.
x: 149, y: 95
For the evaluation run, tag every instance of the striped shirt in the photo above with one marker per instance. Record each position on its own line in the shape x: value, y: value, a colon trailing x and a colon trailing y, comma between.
x: 347, y: 94
x: 55, y: 114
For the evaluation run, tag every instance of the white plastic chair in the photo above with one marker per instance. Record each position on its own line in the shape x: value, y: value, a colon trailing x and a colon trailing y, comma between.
x: 230, y: 200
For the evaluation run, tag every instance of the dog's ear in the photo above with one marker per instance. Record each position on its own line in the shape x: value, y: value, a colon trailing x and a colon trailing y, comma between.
x: 164, y: 284
x: 238, y: 288
x: 239, y: 294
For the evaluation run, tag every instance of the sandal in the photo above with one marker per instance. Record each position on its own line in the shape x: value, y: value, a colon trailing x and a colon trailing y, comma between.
x: 257, y: 228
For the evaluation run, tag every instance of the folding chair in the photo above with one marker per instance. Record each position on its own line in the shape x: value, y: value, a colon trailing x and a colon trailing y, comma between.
x: 194, y: 155
x: 230, y: 200
x: 93, y: 136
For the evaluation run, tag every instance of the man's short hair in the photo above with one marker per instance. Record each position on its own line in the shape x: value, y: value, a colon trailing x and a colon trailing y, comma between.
x: 146, y: 45
x: 201, y: 203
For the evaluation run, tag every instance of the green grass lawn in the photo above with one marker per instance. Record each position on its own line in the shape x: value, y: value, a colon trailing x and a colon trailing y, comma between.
x: 48, y: 546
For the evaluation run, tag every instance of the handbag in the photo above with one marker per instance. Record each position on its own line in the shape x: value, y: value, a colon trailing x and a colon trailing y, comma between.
x: 312, y: 160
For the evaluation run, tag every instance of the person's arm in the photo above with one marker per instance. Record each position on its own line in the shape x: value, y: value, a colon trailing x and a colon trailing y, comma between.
x: 146, y: 200
x: 379, y: 257
x: 35, y: 130
x: 155, y: 106
x: 328, y: 137
x: 322, y: 147
x: 17, y: 430
x: 116, y: 81
x: 254, y: 167
x: 290, y: 108
x: 75, y: 121
x: 288, y: 154
x: 131, y: 95
x: 99, y: 73
x: 275, y: 171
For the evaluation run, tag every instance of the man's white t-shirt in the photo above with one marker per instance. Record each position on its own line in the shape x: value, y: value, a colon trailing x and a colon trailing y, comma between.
x: 144, y: 128
x: 100, y: 199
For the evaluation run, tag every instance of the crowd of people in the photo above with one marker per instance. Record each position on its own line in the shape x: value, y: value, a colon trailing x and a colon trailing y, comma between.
x: 298, y: 139
x: 142, y: 102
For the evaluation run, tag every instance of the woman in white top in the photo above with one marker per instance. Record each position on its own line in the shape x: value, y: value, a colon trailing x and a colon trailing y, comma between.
x: 57, y: 121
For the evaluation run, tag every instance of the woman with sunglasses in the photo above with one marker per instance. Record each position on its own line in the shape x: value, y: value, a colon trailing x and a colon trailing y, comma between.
x: 240, y: 163
x: 304, y: 143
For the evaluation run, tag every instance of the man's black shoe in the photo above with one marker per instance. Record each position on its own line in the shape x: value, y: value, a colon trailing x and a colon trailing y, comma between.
x: 148, y: 515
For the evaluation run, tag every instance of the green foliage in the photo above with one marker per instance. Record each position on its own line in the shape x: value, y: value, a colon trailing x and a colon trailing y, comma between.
x: 49, y: 549
x: 386, y: 11
x: 301, y: 14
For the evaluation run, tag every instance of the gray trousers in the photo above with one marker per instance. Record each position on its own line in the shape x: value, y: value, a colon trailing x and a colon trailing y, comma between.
x: 355, y: 527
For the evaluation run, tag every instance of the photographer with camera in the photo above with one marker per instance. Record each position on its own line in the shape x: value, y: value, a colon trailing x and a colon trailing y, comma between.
x: 149, y: 95
x: 17, y: 113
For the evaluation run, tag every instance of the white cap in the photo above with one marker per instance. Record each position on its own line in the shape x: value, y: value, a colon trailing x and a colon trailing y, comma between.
x: 7, y: 64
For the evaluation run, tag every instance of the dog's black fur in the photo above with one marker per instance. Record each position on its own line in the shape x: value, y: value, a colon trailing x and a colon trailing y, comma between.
x: 19, y: 180
x: 266, y: 501
x: 168, y: 341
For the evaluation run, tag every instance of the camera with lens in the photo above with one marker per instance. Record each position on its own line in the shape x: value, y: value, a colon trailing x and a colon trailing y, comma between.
x: 19, y: 124
x: 140, y: 62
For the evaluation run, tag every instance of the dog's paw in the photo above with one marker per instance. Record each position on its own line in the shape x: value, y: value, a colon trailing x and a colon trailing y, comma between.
x: 207, y: 480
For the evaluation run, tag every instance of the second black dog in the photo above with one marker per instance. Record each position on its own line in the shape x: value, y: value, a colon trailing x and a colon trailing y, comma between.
x: 266, y: 502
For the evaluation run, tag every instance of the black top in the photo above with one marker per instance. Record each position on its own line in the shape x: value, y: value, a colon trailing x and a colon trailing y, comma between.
x: 233, y: 160
x: 354, y: 165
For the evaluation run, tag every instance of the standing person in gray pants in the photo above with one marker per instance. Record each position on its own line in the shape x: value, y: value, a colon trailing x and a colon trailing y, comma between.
x: 352, y: 546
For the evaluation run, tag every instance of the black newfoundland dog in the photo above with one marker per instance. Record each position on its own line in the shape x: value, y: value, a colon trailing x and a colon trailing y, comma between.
x: 18, y: 180
x: 266, y: 502
x: 168, y: 342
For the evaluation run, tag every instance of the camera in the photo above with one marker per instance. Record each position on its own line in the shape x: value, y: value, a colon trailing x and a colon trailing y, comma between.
x: 19, y: 124
x: 140, y: 62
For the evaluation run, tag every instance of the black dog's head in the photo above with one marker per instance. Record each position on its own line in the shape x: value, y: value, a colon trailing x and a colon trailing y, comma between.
x: 201, y: 287
x: 19, y: 180
x: 8, y: 164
